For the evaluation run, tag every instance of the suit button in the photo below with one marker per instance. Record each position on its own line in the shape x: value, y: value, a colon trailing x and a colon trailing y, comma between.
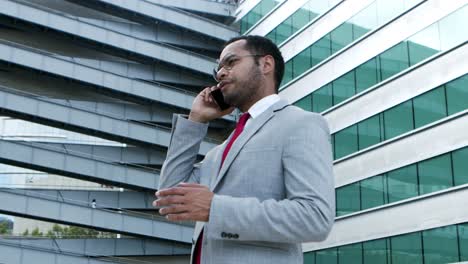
x: 230, y: 235
x: 236, y: 236
x: 223, y: 235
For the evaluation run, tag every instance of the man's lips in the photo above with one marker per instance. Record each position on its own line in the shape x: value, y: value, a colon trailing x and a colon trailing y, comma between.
x: 222, y: 84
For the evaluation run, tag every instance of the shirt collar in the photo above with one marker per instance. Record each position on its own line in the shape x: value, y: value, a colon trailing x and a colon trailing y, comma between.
x: 263, y: 104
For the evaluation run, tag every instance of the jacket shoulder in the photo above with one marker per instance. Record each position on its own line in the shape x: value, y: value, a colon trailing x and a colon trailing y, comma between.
x: 297, y: 117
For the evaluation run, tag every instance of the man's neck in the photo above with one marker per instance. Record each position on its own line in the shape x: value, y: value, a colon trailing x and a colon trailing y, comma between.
x: 244, y: 108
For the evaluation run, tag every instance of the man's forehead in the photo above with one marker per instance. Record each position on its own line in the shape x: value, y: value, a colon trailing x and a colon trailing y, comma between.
x: 233, y: 48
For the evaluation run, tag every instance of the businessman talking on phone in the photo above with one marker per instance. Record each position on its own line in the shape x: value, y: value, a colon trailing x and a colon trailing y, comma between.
x: 269, y: 186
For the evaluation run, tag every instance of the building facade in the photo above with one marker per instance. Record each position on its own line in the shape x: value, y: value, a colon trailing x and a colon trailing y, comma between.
x: 391, y: 79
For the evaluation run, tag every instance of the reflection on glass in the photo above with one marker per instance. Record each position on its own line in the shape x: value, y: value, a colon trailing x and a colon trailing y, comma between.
x: 400, y: 57
x: 254, y: 15
x: 402, y: 183
x: 457, y: 95
x: 327, y: 256
x: 424, y: 109
x: 448, y: 244
x: 460, y: 166
x: 305, y: 14
x: 374, y: 15
x: 350, y: 253
x: 435, y: 174
x: 398, y: 120
x: 373, y: 192
x: 376, y: 251
x: 369, y: 132
x: 348, y: 199
x: 407, y: 249
x: 429, y: 107
x: 346, y: 142
x: 439, y: 245
x: 426, y: 176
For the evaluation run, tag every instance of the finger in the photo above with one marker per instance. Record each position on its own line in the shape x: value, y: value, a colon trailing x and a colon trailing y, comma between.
x: 179, y: 217
x: 175, y: 209
x: 228, y: 111
x: 170, y: 200
x: 207, y: 94
x: 171, y: 191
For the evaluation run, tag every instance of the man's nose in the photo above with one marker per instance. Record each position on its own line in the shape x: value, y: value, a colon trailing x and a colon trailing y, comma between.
x: 221, y: 74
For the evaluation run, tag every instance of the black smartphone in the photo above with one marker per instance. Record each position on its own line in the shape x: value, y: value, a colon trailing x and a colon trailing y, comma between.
x: 219, y: 99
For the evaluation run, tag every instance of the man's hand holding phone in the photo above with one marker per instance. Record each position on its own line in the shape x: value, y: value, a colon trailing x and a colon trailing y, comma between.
x: 205, y: 108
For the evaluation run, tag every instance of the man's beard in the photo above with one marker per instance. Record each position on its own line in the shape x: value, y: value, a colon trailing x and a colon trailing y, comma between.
x: 244, y: 91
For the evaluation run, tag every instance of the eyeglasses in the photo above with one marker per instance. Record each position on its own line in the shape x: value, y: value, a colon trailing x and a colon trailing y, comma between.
x: 229, y: 62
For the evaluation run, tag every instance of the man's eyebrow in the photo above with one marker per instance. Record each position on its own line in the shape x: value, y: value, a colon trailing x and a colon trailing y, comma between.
x: 227, y: 57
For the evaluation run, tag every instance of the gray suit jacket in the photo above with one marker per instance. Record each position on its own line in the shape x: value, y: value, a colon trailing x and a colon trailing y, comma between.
x: 274, y: 191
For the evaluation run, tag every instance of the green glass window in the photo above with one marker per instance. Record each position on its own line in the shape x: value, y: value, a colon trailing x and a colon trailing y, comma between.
x: 341, y: 36
x: 457, y: 95
x: 407, y: 249
x: 284, y: 30
x: 460, y: 166
x: 440, y: 245
x: 402, y: 183
x: 254, y: 15
x: 435, y: 174
x: 365, y: 20
x: 301, y: 62
x: 376, y: 251
x: 424, y: 44
x: 327, y: 256
x: 300, y: 18
x: 367, y: 75
x: 373, y: 192
x: 272, y: 36
x: 319, y: 7
x: 394, y: 60
x: 309, y: 258
x: 369, y: 131
x: 348, y: 199
x: 398, y: 120
x: 305, y: 103
x: 429, y: 107
x: 350, y: 253
x: 344, y: 88
x: 268, y: 5
x: 322, y: 98
x: 346, y: 141
x: 463, y: 240
x: 321, y: 50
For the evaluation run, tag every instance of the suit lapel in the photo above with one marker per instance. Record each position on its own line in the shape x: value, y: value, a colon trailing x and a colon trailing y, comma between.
x: 244, y: 138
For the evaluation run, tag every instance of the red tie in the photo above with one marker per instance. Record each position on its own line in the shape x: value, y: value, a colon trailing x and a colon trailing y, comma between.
x: 239, y: 128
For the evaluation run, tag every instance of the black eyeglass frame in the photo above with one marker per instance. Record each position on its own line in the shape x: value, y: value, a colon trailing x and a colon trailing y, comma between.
x: 228, y: 68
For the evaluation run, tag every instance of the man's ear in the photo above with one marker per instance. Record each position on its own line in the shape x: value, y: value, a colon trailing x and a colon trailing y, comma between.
x: 268, y: 64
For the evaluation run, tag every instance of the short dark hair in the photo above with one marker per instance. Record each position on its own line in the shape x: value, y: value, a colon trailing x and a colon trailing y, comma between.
x: 264, y: 46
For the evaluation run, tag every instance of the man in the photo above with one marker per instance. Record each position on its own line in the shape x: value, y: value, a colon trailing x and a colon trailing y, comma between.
x: 269, y: 186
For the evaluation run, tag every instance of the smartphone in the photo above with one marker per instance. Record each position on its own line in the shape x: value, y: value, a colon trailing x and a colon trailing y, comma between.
x: 219, y: 99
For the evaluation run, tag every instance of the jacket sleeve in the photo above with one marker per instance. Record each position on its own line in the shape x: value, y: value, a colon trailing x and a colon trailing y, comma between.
x: 306, y: 214
x: 184, y: 145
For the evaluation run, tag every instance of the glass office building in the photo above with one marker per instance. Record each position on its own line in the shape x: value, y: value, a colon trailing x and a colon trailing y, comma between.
x: 391, y: 79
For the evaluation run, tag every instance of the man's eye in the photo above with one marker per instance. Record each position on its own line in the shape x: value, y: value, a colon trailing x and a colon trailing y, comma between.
x: 230, y: 62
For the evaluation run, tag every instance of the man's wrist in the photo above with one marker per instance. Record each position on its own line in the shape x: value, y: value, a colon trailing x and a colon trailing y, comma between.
x: 197, y: 118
